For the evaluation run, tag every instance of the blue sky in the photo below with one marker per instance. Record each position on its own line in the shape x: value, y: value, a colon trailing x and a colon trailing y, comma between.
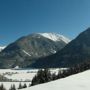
x: 22, y: 17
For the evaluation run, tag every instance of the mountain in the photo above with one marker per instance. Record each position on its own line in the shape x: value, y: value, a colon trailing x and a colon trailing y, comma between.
x: 28, y: 49
x: 55, y: 37
x: 77, y: 51
x: 2, y: 47
x: 78, y: 81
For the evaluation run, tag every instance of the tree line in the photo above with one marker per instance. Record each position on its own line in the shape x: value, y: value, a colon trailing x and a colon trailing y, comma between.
x: 13, y: 87
x: 44, y: 75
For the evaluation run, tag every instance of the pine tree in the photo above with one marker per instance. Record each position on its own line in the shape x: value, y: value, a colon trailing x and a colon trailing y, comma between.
x: 54, y: 77
x: 20, y: 86
x: 12, y: 87
x: 25, y: 86
x: 59, y: 75
x: 2, y: 87
x: 29, y: 85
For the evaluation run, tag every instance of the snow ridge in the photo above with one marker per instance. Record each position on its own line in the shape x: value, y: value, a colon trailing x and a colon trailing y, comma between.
x: 55, y: 37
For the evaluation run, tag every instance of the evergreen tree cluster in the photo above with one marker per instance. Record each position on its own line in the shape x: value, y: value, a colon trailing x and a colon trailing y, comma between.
x: 22, y: 86
x: 44, y: 75
x: 41, y: 77
x: 13, y: 87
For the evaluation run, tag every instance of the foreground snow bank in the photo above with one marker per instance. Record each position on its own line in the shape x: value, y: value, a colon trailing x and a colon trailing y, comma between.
x: 79, y: 81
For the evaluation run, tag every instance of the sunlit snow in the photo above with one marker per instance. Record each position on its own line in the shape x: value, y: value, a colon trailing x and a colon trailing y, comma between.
x: 2, y: 47
x: 55, y: 37
x: 79, y: 81
x: 26, y: 53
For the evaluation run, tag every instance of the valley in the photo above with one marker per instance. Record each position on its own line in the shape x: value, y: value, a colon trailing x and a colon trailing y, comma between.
x: 23, y: 76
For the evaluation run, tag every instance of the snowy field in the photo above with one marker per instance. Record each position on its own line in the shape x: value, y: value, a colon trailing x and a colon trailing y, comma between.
x: 23, y: 76
x: 79, y: 81
x: 7, y: 85
x: 19, y: 75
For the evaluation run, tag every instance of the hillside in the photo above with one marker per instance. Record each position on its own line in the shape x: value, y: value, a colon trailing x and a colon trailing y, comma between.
x: 75, y: 82
x: 26, y: 50
x: 77, y: 51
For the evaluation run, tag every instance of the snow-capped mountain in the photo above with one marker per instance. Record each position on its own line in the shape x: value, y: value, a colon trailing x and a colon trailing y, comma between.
x: 2, y: 47
x: 77, y: 51
x: 75, y: 82
x: 55, y: 37
x: 28, y: 49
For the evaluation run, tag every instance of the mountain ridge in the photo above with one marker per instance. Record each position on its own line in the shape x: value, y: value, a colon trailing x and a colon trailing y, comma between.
x: 55, y: 37
x: 28, y: 49
x: 75, y: 52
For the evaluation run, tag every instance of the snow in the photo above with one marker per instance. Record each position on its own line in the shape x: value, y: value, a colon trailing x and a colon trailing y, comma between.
x: 17, y: 71
x: 26, y: 53
x: 7, y: 85
x: 22, y: 75
x: 55, y: 37
x: 53, y: 51
x: 2, y: 47
x: 19, y: 75
x: 79, y: 81
x: 17, y: 67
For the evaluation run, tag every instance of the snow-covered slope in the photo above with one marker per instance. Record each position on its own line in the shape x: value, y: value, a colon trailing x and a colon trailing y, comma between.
x: 55, y: 37
x: 2, y: 47
x: 79, y: 81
